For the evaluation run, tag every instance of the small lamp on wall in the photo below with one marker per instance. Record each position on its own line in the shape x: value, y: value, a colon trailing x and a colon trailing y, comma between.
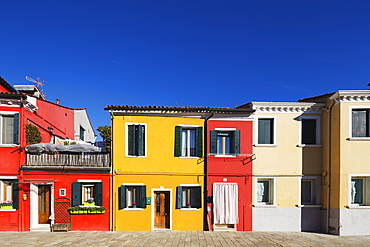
x: 25, y: 197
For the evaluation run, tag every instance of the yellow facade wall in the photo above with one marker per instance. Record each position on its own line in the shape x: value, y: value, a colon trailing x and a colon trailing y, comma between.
x: 158, y: 170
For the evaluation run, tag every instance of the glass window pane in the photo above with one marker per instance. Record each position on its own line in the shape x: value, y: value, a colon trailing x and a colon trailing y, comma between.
x: 263, y: 191
x: 7, y: 129
x: 308, y: 131
x: 306, y: 192
x: 192, y: 142
x: 357, y: 191
x: 359, y: 125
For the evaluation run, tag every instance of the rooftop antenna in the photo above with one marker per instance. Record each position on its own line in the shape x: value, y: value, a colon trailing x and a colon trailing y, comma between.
x: 177, y: 103
x: 39, y: 83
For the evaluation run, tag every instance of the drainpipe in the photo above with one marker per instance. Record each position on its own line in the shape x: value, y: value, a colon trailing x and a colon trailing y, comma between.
x: 328, y: 111
x: 113, y: 196
x: 207, y: 220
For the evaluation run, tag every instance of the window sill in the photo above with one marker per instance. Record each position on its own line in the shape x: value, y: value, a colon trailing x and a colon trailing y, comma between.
x: 265, y: 206
x: 129, y: 156
x: 356, y: 206
x: 309, y: 145
x: 224, y: 156
x: 265, y: 145
x: 188, y: 157
x: 9, y: 145
x: 309, y: 206
x: 358, y: 139
x: 133, y: 209
x: 189, y: 209
x: 8, y: 210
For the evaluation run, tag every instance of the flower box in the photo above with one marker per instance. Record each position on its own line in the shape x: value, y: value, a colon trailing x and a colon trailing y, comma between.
x: 89, y: 203
x: 6, y: 207
x: 87, y: 210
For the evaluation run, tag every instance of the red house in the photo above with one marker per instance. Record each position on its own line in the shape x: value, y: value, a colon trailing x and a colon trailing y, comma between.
x: 229, y: 172
x: 40, y: 188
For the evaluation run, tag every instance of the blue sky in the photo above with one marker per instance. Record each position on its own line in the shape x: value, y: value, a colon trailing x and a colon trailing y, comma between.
x: 189, y: 53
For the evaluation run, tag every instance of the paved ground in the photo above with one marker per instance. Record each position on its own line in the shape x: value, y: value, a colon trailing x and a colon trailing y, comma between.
x: 176, y: 238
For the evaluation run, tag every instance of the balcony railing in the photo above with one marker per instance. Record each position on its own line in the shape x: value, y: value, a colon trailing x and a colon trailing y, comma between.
x: 69, y: 159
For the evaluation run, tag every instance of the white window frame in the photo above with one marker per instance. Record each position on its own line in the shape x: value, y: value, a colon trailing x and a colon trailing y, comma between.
x: 5, y: 113
x: 145, y: 140
x: 189, y: 127
x: 351, y: 108
x: 272, y: 184
x: 315, y: 191
x: 127, y: 208
x: 256, y: 144
x: 318, y: 131
x: 366, y: 190
x: 85, y: 183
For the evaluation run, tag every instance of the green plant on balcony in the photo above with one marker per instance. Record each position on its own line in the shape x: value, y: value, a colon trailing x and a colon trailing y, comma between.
x: 6, y: 205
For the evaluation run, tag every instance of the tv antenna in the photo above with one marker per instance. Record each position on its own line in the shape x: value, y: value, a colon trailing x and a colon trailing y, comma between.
x: 37, y: 81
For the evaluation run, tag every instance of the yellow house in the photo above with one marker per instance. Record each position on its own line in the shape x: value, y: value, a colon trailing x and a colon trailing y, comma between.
x: 288, y: 149
x: 158, y: 168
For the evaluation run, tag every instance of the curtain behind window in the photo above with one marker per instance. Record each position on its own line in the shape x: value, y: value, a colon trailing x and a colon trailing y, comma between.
x: 225, y: 203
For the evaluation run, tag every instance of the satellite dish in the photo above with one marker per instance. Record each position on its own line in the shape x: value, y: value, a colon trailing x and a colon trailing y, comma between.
x: 38, y: 81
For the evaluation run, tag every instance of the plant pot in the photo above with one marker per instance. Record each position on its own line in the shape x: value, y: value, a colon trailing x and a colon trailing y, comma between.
x: 89, y: 203
x: 6, y: 207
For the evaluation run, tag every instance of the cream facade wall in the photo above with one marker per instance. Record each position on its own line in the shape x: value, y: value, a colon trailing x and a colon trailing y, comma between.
x: 286, y: 161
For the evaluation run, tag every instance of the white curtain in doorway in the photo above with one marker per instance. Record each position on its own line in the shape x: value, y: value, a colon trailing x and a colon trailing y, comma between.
x: 225, y: 203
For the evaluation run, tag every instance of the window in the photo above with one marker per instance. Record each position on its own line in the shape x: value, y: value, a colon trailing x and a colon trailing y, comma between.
x: 310, y: 130
x: 132, y: 196
x: 188, y: 197
x: 188, y: 141
x: 360, y: 123
x: 360, y: 190
x: 307, y: 192
x: 266, y: 131
x: 9, y: 191
x: 9, y: 126
x: 136, y: 139
x: 265, y: 191
x: 82, y: 134
x: 81, y: 191
x: 224, y: 142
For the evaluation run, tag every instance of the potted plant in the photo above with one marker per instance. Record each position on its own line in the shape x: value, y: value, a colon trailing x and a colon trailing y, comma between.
x: 89, y: 202
x: 134, y: 204
x: 100, y: 210
x: 188, y: 205
x: 6, y: 204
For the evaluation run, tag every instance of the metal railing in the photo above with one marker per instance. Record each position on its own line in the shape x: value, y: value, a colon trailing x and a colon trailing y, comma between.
x: 69, y: 159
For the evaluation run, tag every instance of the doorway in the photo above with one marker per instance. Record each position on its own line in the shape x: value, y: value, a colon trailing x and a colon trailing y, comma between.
x: 162, y: 209
x: 44, y: 203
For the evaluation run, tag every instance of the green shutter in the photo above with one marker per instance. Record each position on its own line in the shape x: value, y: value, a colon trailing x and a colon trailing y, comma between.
x: 178, y: 196
x: 122, y: 197
x: 235, y: 142
x: 199, y: 140
x: 98, y: 194
x: 76, y: 193
x: 16, y: 128
x: 198, y: 197
x: 178, y: 140
x: 142, y: 196
x: 15, y: 194
x: 213, y: 142
x: 130, y: 139
x: 140, y: 140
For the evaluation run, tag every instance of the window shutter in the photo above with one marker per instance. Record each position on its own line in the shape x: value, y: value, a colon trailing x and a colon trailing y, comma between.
x: 198, y: 196
x: 76, y: 193
x: 15, y: 194
x: 199, y: 140
x: 178, y: 196
x: 122, y: 197
x: 235, y: 142
x: 130, y: 139
x: 178, y: 139
x: 213, y: 142
x: 142, y: 195
x: 98, y: 197
x: 16, y: 128
x: 140, y: 140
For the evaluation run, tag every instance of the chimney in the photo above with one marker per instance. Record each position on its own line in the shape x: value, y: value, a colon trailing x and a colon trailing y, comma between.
x: 57, y: 101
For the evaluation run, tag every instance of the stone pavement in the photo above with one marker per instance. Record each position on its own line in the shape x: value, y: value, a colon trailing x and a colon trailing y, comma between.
x: 178, y: 238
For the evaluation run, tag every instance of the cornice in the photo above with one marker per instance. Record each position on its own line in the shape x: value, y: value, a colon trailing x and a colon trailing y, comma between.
x: 287, y: 107
x: 351, y: 96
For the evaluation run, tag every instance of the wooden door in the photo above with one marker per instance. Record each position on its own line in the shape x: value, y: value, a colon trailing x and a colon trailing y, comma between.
x: 162, y: 209
x: 44, y: 203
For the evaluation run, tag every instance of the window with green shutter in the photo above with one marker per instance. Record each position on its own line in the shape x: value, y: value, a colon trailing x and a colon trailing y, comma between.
x: 9, y: 128
x: 132, y: 196
x: 82, y: 191
x: 188, y: 141
x: 136, y: 139
x: 225, y: 142
x: 9, y: 191
x: 188, y: 197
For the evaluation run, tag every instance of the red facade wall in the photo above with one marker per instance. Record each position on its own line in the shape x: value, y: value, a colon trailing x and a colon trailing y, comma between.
x: 233, y: 170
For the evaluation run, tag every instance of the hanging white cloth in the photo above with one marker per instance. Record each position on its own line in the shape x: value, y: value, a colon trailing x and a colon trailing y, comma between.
x: 225, y: 203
